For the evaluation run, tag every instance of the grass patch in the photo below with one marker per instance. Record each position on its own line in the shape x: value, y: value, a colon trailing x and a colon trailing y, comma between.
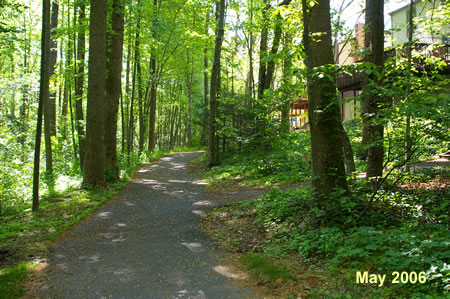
x: 26, y: 234
x: 264, y: 163
x: 12, y: 280
x: 265, y: 269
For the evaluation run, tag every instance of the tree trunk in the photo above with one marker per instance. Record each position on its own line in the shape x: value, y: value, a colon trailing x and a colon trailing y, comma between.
x: 275, y: 45
x: 263, y: 52
x: 190, y: 79
x: 154, y: 86
x: 203, y: 141
x: 49, y: 102
x: 79, y: 82
x: 348, y: 152
x: 324, y: 116
x: 152, y: 139
x: 43, y: 94
x: 408, y: 139
x: 133, y: 93
x: 127, y: 98
x: 94, y: 167
x: 287, y: 79
x: 215, y: 73
x: 372, y: 127
x: 113, y: 89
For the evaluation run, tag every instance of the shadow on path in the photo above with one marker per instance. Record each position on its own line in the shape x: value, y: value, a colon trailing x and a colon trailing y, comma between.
x: 146, y: 242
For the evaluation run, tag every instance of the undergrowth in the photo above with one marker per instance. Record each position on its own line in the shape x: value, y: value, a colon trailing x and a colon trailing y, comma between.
x: 278, y: 161
x: 401, y: 231
x: 263, y: 268
x: 11, y: 280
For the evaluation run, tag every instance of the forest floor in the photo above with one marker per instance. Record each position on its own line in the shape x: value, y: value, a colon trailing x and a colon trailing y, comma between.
x: 233, y: 226
x: 146, y: 242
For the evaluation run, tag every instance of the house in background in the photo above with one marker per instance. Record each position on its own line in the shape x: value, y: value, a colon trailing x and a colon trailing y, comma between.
x: 298, y: 114
x: 347, y: 52
x: 422, y: 32
x: 349, y: 86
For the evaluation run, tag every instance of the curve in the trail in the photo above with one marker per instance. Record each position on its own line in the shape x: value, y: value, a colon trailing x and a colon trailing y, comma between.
x: 146, y: 242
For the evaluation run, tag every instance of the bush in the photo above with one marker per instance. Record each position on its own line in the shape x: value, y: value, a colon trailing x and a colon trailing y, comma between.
x: 396, y: 241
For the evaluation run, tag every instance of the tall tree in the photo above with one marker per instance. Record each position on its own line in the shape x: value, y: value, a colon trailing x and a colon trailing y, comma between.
x: 372, y: 126
x: 154, y: 81
x: 43, y: 93
x: 324, y: 116
x: 203, y: 138
x: 263, y: 50
x: 189, y: 81
x: 94, y: 167
x: 113, y: 88
x: 408, y: 139
x: 50, y: 101
x: 215, y: 74
x: 79, y: 81
x: 278, y: 30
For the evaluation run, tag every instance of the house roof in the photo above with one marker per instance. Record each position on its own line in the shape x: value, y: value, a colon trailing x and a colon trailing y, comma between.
x: 402, y: 8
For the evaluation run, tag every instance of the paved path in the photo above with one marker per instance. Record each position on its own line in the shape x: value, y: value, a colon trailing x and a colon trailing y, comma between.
x: 146, y: 242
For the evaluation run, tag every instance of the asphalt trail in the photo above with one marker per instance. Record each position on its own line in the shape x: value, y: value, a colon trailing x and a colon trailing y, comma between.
x: 146, y: 242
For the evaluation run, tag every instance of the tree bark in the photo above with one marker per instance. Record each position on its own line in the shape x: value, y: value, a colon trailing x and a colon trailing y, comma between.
x: 190, y: 79
x: 49, y: 102
x: 287, y: 74
x: 154, y: 87
x: 372, y: 127
x: 79, y: 82
x: 348, y: 152
x: 94, y: 168
x: 43, y: 93
x: 113, y: 89
x: 263, y: 52
x: 324, y: 116
x: 215, y: 73
x: 408, y: 139
x: 203, y: 139
x: 275, y: 45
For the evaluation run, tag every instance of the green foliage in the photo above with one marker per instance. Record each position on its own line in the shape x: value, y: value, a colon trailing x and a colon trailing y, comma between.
x: 282, y: 206
x: 262, y: 267
x: 11, y: 280
x: 398, y: 234
x: 283, y: 160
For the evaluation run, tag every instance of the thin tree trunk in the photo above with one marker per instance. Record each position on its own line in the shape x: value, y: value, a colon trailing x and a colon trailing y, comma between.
x: 215, y: 74
x: 203, y: 137
x: 348, y: 152
x: 190, y: 79
x: 275, y: 45
x: 372, y: 127
x: 43, y: 93
x: 79, y: 82
x: 133, y: 93
x: 113, y: 89
x: 127, y: 97
x: 154, y: 87
x: 263, y: 52
x: 49, y: 102
x: 408, y: 139
x: 287, y: 74
x: 152, y: 139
